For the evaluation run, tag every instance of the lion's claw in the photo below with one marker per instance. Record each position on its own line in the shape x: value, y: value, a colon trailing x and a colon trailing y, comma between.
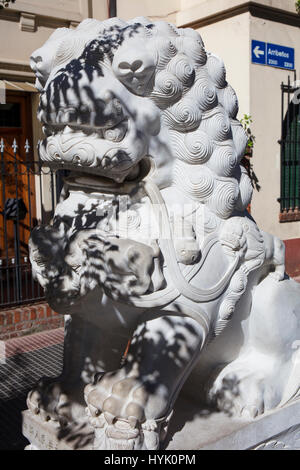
x: 49, y: 401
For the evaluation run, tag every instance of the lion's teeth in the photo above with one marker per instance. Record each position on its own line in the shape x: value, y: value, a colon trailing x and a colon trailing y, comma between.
x: 40, y: 115
x: 65, y: 117
x: 115, y: 160
x: 43, y: 99
x: 67, y: 130
x: 106, y: 162
x: 47, y: 131
x: 60, y: 116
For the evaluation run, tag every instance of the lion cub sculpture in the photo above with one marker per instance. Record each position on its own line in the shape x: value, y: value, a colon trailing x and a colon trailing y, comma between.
x: 151, y: 241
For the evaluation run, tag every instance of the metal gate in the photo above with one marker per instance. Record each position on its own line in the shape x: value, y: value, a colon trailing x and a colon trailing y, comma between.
x: 28, y: 197
x: 290, y: 151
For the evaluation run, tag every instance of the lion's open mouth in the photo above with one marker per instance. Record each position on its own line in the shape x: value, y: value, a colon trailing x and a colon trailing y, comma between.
x: 108, y: 152
x: 81, y: 180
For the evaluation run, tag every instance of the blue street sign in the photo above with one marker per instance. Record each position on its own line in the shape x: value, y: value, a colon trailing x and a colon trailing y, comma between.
x: 258, y: 50
x: 273, y: 55
x: 280, y: 56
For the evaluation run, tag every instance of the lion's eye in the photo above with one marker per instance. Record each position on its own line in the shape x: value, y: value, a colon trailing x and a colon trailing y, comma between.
x: 117, y: 133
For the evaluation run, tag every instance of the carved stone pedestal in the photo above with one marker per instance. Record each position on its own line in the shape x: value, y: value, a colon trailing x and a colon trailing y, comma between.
x: 278, y: 430
x: 47, y: 435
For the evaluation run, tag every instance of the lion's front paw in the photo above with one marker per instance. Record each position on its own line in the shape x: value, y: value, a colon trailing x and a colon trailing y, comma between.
x: 49, y: 400
x: 118, y: 395
x: 116, y: 408
x: 240, y: 391
x: 278, y: 274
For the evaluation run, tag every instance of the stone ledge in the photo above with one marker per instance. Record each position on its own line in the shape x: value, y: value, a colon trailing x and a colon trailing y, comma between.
x: 53, y: 20
x: 27, y: 319
x: 45, y: 11
x: 212, y: 11
x: 289, y: 216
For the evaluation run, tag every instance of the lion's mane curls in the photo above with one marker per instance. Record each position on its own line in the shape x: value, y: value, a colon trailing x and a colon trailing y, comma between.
x: 171, y: 67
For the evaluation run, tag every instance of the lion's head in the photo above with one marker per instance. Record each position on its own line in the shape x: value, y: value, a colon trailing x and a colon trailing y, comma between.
x: 113, y: 92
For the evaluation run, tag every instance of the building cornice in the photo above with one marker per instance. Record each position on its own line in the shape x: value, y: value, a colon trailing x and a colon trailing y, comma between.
x: 16, y: 70
x: 256, y: 9
x: 39, y: 20
x: 54, y: 10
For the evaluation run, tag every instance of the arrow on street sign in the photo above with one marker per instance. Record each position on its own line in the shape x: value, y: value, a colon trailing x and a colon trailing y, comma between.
x: 258, y: 50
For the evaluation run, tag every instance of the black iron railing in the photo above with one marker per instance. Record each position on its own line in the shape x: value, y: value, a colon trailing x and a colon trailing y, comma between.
x: 28, y: 197
x: 290, y: 152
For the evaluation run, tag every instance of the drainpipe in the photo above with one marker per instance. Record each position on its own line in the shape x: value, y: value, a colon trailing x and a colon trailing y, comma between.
x: 112, y: 8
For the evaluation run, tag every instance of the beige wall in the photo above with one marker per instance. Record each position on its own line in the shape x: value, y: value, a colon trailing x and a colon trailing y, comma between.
x: 265, y: 108
x: 185, y: 4
x: 99, y: 9
x: 18, y: 45
x: 154, y: 9
x: 27, y: 24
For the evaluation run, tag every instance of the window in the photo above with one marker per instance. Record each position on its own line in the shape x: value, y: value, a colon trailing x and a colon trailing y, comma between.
x: 10, y: 115
x: 290, y: 156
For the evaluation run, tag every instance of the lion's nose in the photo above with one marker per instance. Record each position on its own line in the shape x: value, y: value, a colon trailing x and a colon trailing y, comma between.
x: 35, y: 62
x: 131, y: 67
x: 134, y: 66
x: 39, y: 67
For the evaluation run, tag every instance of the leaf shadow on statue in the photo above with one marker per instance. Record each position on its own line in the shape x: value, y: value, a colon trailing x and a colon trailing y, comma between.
x: 60, y: 255
x: 89, y: 62
x: 77, y: 436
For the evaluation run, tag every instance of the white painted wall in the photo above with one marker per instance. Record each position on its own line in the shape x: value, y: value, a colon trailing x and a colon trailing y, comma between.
x: 154, y: 9
x: 17, y: 45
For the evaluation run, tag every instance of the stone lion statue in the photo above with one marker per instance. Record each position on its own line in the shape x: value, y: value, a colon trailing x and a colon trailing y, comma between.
x: 164, y: 277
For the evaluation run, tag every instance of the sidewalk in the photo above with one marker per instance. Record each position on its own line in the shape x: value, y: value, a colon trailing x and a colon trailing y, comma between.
x: 27, y: 359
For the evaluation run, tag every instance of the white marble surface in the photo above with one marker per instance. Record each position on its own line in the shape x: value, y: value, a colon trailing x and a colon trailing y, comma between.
x: 206, y: 430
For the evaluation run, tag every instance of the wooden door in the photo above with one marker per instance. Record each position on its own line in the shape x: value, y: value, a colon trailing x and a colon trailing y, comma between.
x: 17, y: 173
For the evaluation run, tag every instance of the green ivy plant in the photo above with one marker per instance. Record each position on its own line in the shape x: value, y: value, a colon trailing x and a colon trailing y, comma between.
x: 246, y: 121
x: 297, y: 5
